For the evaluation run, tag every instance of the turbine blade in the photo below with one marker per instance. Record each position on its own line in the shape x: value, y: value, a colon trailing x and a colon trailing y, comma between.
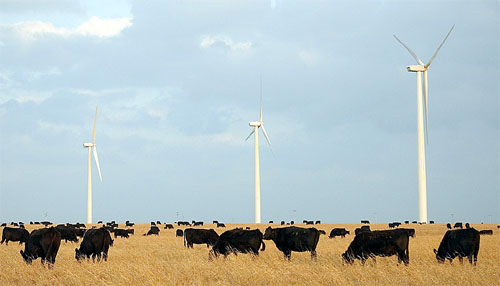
x: 97, y: 162
x: 267, y: 138
x: 93, y: 132
x: 426, y: 102
x: 261, y: 99
x: 409, y: 50
x: 435, y: 54
x: 253, y: 130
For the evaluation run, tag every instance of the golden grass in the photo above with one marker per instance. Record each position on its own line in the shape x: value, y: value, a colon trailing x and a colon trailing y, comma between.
x: 163, y: 260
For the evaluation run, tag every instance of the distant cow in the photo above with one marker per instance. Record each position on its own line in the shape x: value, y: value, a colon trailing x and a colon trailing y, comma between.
x: 3, y: 224
x: 458, y: 225
x: 282, y: 222
x: 168, y: 226
x: 199, y: 236
x: 43, y: 243
x: 294, y: 238
x: 407, y: 221
x: 292, y: 222
x: 238, y: 241
x: 309, y: 222
x: 431, y: 222
x: 467, y: 225
x: 448, y: 225
x: 378, y: 243
x: 197, y: 223
x: 179, y: 232
x: 365, y: 222
x: 96, y: 242
x: 219, y: 224
x: 121, y: 233
x: 486, y: 232
x: 317, y: 222
x: 215, y: 222
x: 153, y: 230
x: 14, y: 234
x: 461, y: 243
x: 338, y: 232
x: 67, y: 233
x: 130, y: 231
x: 127, y: 223
x: 271, y: 221
x: 158, y: 222
x: 361, y: 229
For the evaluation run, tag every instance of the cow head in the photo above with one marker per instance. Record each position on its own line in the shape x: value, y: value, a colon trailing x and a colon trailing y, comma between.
x: 269, y: 234
x: 347, y: 258
x: 439, y: 258
x: 28, y: 259
x: 79, y: 255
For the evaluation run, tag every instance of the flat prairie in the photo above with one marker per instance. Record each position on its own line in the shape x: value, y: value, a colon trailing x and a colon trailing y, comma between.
x: 163, y: 260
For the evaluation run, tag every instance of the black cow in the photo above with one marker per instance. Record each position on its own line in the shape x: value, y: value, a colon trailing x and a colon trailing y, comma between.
x: 467, y: 225
x: 292, y: 222
x: 271, y: 221
x: 461, y: 243
x: 294, y: 238
x: 379, y: 243
x: 199, y: 236
x: 431, y: 222
x: 3, y: 224
x: 197, y: 223
x: 127, y: 223
x: 43, y: 243
x: 338, y: 232
x: 238, y: 241
x: 317, y: 222
x: 282, y: 222
x: 322, y: 232
x: 215, y: 222
x: 14, y: 234
x: 67, y: 233
x: 361, y: 229
x: 309, y: 222
x: 179, y: 232
x: 158, y: 222
x: 414, y: 222
x: 153, y: 230
x: 121, y: 233
x: 99, y: 222
x: 168, y: 226
x: 365, y: 222
x: 130, y: 231
x: 219, y: 224
x: 407, y: 222
x: 486, y: 232
x: 96, y: 242
x: 458, y: 225
x: 448, y: 225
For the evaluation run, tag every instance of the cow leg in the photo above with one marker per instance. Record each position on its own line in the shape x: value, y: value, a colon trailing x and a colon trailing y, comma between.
x: 314, y: 255
x: 93, y: 257
x: 460, y: 258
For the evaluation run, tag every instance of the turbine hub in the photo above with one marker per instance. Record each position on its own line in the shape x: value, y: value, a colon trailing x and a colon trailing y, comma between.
x: 417, y: 68
x: 87, y: 145
x: 255, y: 123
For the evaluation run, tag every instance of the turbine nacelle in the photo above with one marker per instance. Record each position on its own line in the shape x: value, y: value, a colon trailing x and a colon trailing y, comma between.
x: 416, y: 68
x: 88, y: 145
x: 255, y: 123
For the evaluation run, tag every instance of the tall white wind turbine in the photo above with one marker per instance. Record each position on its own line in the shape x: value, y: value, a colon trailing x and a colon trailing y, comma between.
x: 419, y: 69
x: 91, y: 147
x: 256, y: 125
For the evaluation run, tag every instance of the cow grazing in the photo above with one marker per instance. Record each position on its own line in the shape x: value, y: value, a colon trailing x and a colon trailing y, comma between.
x: 168, y: 226
x: 127, y: 224
x: 153, y: 223
x: 43, y: 243
x: 3, y: 225
x: 198, y: 223
x: 14, y: 234
x: 431, y: 222
x: 414, y: 222
x: 199, y: 236
x: 461, y: 243
x: 309, y: 222
x: 361, y: 229
x: 407, y: 222
x: 448, y: 225
x: 121, y: 233
x: 158, y: 222
x: 365, y: 222
x: 322, y: 232
x: 317, y: 222
x: 294, y: 238
x: 271, y: 221
x: 238, y: 241
x: 179, y: 232
x: 458, y: 225
x: 486, y: 232
x: 338, y: 232
x: 67, y: 233
x: 96, y: 242
x: 153, y: 230
x: 130, y: 231
x: 467, y: 225
x: 215, y: 222
x: 219, y: 224
x: 282, y: 222
x: 379, y: 243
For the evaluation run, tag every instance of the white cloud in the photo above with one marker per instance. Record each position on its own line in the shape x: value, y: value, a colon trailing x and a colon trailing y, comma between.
x: 208, y: 41
x: 309, y: 58
x: 95, y: 26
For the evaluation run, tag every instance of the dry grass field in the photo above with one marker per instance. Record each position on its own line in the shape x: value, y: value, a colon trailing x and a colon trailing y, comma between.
x: 163, y: 260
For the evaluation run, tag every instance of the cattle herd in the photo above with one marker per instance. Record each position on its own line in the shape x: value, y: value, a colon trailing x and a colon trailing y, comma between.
x: 44, y: 242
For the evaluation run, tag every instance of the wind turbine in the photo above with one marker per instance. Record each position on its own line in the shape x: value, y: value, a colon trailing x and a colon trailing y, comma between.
x: 91, y: 147
x: 419, y: 69
x: 256, y: 125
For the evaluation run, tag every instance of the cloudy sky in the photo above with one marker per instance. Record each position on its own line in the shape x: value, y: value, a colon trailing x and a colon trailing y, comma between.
x: 177, y: 82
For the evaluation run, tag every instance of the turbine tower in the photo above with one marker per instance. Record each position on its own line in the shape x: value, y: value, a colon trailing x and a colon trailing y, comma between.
x: 91, y: 147
x: 419, y: 69
x: 256, y: 125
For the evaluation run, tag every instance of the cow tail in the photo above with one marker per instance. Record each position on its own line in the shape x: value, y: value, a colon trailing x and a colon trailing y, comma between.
x: 184, y: 236
x: 263, y: 246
